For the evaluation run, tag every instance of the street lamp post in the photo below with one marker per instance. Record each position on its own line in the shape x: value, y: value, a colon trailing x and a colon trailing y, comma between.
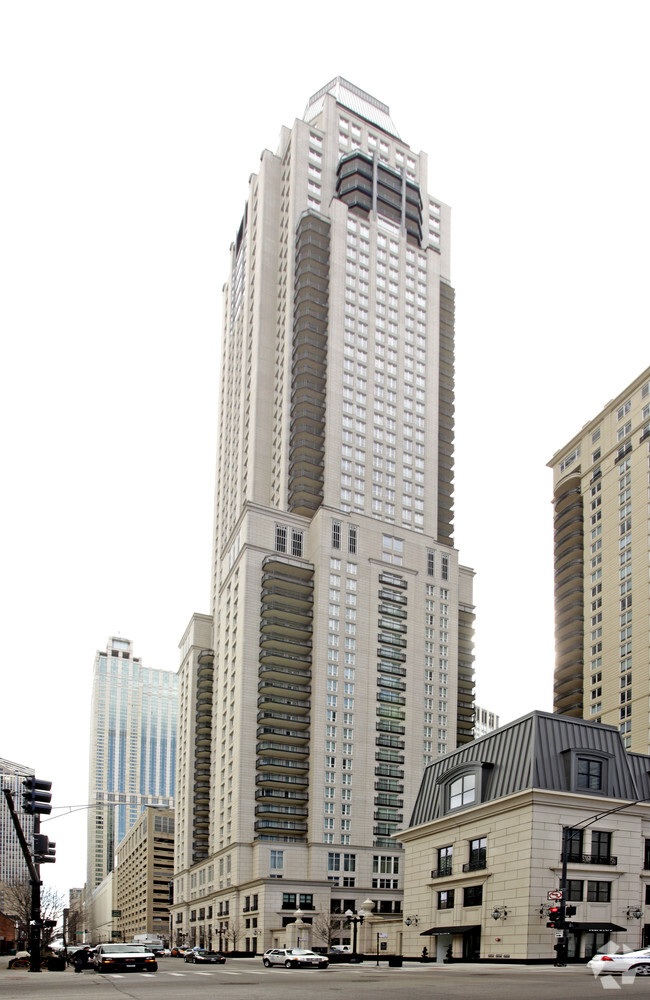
x: 355, y: 919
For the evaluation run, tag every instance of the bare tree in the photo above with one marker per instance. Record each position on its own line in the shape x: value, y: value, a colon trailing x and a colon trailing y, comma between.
x: 233, y: 933
x: 18, y: 903
x: 326, y: 926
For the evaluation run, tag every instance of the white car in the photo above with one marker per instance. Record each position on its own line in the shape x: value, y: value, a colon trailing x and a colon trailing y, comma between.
x: 122, y: 957
x: 635, y: 962
x: 294, y: 958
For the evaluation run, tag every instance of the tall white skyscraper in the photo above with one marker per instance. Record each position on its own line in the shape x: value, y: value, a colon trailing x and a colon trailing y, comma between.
x: 132, y: 749
x: 341, y: 658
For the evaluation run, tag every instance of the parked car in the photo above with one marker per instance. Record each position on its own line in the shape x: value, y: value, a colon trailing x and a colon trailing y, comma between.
x: 338, y: 956
x: 635, y: 962
x: 123, y: 958
x: 294, y: 958
x: 204, y: 955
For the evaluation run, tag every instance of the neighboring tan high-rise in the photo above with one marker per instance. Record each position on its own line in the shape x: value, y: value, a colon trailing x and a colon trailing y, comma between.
x: 132, y: 749
x: 602, y: 528
x: 343, y: 622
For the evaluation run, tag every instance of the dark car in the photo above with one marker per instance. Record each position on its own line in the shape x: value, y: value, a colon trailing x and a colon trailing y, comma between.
x: 337, y: 956
x: 204, y: 955
x: 124, y: 958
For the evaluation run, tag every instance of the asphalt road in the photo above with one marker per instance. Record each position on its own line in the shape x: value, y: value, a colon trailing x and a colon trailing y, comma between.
x: 247, y: 979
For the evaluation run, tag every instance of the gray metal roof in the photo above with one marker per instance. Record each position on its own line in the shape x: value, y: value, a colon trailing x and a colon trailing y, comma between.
x: 357, y: 100
x: 531, y: 752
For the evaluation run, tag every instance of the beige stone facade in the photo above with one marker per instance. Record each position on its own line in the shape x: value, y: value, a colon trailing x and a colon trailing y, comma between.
x: 477, y: 876
x: 341, y: 646
x: 602, y: 549
x: 144, y: 871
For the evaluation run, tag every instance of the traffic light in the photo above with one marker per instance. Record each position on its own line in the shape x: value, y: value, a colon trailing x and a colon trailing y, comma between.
x: 554, y: 916
x: 44, y: 849
x: 37, y: 796
x: 569, y: 911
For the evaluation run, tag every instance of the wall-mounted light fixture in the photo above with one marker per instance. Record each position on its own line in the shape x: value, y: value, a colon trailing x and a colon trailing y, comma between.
x: 499, y: 913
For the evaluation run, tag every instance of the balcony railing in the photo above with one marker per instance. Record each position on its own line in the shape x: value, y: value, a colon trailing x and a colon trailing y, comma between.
x: 592, y: 859
x: 443, y: 872
x: 475, y: 866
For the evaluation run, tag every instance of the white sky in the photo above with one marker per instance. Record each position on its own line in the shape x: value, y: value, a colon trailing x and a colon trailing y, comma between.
x: 128, y: 132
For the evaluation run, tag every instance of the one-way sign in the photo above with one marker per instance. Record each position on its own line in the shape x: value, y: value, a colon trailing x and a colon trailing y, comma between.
x: 554, y: 894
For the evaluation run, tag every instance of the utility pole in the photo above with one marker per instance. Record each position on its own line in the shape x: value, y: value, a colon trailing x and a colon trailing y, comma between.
x: 36, y: 801
x: 35, y: 881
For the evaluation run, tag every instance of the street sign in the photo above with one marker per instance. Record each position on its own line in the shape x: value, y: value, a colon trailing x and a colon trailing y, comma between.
x: 559, y: 934
x: 554, y: 894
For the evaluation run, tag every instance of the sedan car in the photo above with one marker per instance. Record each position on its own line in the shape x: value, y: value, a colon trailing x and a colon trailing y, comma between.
x: 635, y: 962
x: 203, y: 955
x: 124, y: 958
x: 294, y: 958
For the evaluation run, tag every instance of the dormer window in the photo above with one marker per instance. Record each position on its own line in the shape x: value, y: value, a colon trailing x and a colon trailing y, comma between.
x: 464, y: 785
x: 462, y: 791
x: 588, y: 771
x: 590, y: 774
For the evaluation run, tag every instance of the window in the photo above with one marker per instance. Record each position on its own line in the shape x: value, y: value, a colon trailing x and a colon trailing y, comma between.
x: 385, y: 864
x: 477, y: 854
x: 352, y: 539
x: 601, y: 844
x: 599, y: 892
x: 574, y: 845
x: 277, y: 859
x: 445, y: 860
x: 296, y: 543
x: 575, y: 890
x: 336, y: 534
x: 473, y: 895
x: 462, y: 791
x: 446, y: 899
x: 431, y: 562
x: 590, y: 773
x: 624, y: 430
x: 444, y: 567
x: 280, y: 538
x: 392, y: 550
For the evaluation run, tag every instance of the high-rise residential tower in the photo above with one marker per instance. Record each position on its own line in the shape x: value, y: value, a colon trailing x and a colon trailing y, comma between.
x: 343, y: 622
x: 132, y: 749
x: 602, y: 532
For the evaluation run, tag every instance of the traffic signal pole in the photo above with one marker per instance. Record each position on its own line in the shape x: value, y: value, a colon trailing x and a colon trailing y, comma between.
x: 35, y: 922
x: 35, y: 880
x: 562, y: 941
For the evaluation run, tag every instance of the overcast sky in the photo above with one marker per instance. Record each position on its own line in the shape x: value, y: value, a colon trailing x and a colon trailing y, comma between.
x: 128, y: 132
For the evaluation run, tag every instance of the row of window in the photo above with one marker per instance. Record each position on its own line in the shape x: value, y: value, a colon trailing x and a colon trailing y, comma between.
x: 472, y: 896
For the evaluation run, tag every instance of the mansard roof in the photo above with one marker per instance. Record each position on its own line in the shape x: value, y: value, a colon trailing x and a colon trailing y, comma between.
x: 538, y: 750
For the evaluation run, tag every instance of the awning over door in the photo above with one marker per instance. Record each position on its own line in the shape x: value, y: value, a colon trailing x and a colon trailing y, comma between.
x: 594, y: 926
x: 460, y: 929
